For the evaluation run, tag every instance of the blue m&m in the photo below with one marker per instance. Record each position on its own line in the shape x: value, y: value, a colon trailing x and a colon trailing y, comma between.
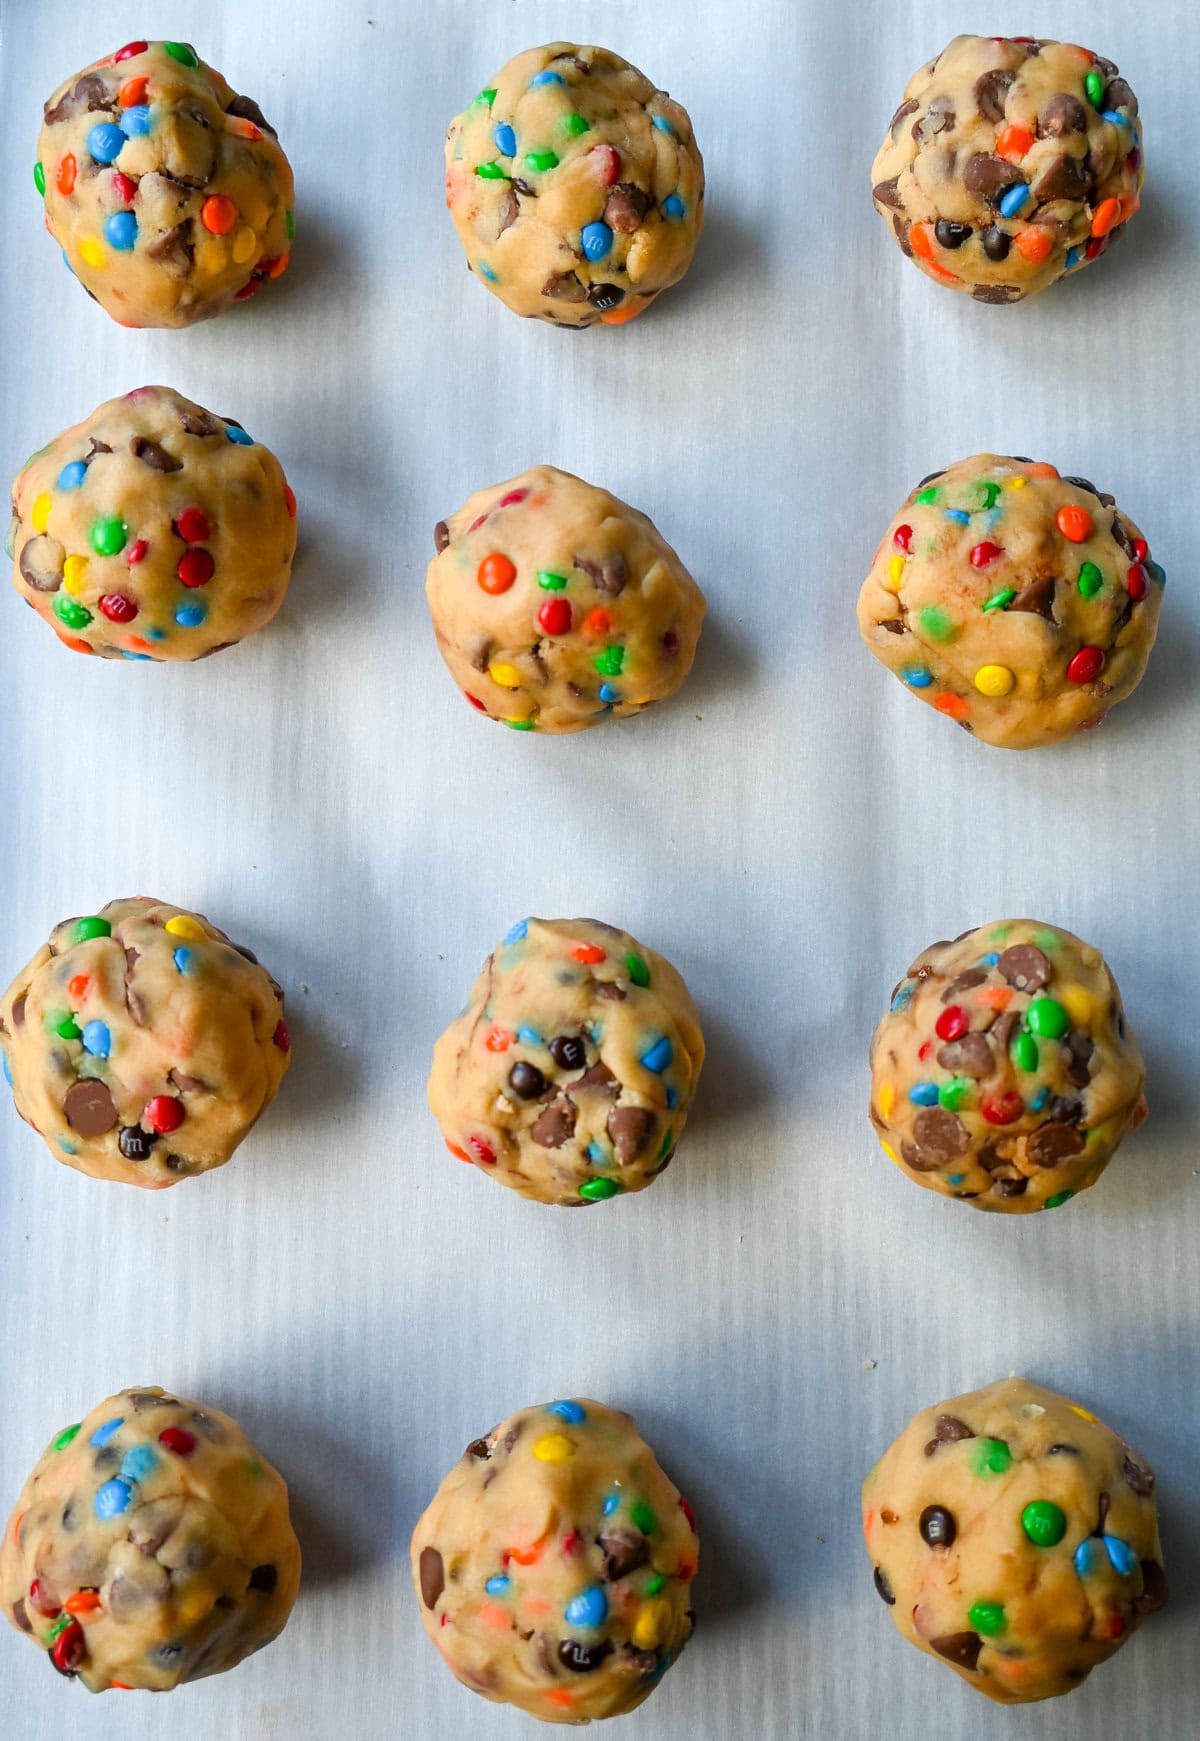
x: 597, y: 240
x: 105, y: 142
x: 120, y: 231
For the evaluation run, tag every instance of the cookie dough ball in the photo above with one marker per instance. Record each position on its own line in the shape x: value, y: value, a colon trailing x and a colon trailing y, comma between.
x: 150, y: 1546
x: 1021, y: 604
x: 1014, y: 1536
x: 1010, y: 163
x: 141, y: 1044
x: 555, y: 605
x: 576, y: 187
x: 1005, y: 1073
x: 168, y: 193
x: 570, y: 1073
x: 554, y: 1564
x: 153, y: 530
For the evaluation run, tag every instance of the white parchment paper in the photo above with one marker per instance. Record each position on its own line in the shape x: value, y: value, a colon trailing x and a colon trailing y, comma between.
x: 790, y: 832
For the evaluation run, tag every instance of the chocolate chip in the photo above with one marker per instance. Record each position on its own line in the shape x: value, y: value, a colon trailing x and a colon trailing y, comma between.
x: 1079, y: 1049
x: 1064, y: 1108
x: 1038, y: 599
x: 1154, y: 1589
x: 991, y: 91
x: 887, y: 193
x: 902, y: 113
x: 478, y: 1448
x: 1064, y: 113
x: 971, y: 1056
x: 950, y: 234
x: 938, y: 118
x: 902, y: 226
x: 940, y: 1134
x: 965, y: 982
x: 569, y: 1051
x: 883, y: 1588
x: 41, y: 563
x: 1054, y: 1143
x: 599, y: 1076
x: 433, y: 1576
x: 1063, y: 178
x: 135, y: 1143
x: 608, y: 575
x: 894, y: 626
x: 582, y: 1658
x: 174, y: 250
x: 610, y: 989
x: 441, y: 536
x: 605, y: 296
x: 18, y: 1010
x: 629, y: 1129
x: 916, y: 1159
x: 948, y: 1430
x: 248, y: 110
x: 1141, y: 1480
x: 89, y: 1108
x: 151, y: 453
x: 1120, y: 96
x: 997, y: 243
x: 1011, y: 1187
x: 510, y: 211
x: 86, y: 95
x: 265, y: 1578
x: 556, y: 1125
x: 20, y: 1616
x: 564, y: 287
x: 624, y: 1551
x: 960, y: 1648
x: 1024, y: 967
x: 526, y: 1080
x: 998, y: 293
x: 625, y: 208
x: 197, y: 421
x: 989, y: 176
x: 96, y: 447
x: 937, y: 1526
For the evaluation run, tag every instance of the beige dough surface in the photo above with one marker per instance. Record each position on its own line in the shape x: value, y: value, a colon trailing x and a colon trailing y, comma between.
x: 1005, y: 1074
x: 576, y: 187
x: 1014, y: 1536
x: 151, y: 1545
x: 141, y: 1044
x: 168, y: 192
x: 1019, y: 603
x: 570, y: 1073
x: 554, y: 1565
x: 555, y: 605
x: 153, y: 530
x: 1010, y: 163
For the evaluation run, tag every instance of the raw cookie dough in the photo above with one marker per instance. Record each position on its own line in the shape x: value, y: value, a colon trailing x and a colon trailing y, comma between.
x: 153, y: 530
x: 1014, y: 1536
x: 1017, y: 602
x: 169, y: 194
x: 1005, y: 1073
x: 570, y: 1073
x: 554, y: 1564
x: 141, y: 1044
x: 151, y: 1545
x: 576, y: 187
x: 555, y: 605
x: 1009, y: 163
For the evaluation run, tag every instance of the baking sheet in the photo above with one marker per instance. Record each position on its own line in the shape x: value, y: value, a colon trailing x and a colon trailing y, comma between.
x: 790, y: 832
